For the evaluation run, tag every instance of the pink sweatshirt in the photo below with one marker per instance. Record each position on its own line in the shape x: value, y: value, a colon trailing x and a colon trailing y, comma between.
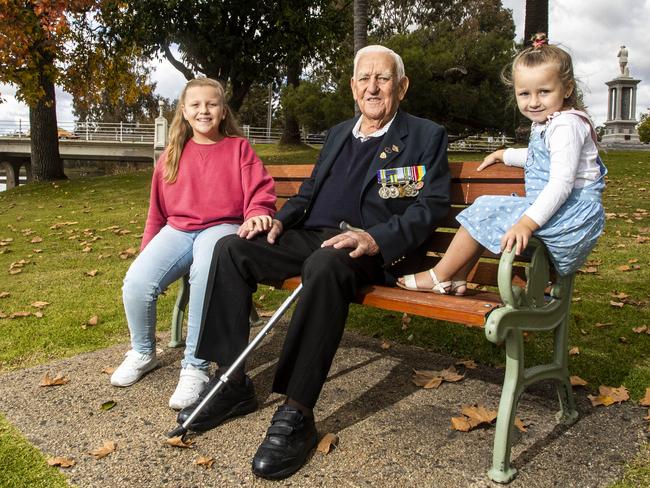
x: 217, y: 183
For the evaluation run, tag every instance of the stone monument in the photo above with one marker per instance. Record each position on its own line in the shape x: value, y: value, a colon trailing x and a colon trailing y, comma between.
x: 620, y: 127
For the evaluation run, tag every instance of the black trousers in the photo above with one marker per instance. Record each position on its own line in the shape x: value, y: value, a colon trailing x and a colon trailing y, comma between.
x: 331, y: 280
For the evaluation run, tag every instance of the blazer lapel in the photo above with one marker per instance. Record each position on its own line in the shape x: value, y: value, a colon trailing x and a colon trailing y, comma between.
x: 394, y: 139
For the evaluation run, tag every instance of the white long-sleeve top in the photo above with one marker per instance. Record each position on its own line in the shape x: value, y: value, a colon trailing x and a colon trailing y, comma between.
x: 573, y: 154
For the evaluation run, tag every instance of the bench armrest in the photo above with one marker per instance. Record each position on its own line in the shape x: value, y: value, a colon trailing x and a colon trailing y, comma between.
x: 537, y: 277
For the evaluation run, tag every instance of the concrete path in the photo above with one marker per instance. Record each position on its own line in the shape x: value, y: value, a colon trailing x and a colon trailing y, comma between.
x: 392, y: 434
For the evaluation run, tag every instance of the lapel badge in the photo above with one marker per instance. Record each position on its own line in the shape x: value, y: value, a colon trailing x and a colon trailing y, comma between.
x: 388, y: 149
x: 395, y: 148
x: 382, y: 155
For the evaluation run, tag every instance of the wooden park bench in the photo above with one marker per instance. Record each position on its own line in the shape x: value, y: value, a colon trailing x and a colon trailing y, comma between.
x: 530, y: 297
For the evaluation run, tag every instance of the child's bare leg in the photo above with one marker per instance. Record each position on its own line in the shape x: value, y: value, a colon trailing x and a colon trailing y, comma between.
x: 460, y: 257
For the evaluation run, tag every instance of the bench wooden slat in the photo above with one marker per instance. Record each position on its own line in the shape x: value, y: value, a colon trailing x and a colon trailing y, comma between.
x: 467, y: 171
x: 469, y: 310
x: 286, y: 171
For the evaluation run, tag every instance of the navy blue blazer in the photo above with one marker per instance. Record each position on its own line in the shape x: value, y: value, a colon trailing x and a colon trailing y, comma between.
x: 400, y: 226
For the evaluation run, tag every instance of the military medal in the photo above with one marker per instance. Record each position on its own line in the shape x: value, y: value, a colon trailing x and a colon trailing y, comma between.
x: 384, y: 191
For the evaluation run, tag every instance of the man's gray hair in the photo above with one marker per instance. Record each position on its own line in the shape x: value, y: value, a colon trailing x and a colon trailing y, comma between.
x: 376, y: 48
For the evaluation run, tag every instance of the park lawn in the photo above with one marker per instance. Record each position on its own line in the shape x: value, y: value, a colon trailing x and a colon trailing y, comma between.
x: 58, y: 234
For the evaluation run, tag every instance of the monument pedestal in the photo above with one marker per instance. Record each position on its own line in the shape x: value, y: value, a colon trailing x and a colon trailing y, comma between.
x: 620, y: 127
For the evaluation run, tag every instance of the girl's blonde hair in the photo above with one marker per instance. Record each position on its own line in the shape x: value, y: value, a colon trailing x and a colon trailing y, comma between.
x: 539, y: 53
x: 180, y: 131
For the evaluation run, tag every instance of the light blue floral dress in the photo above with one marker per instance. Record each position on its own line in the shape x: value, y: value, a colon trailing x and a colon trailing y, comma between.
x: 569, y: 235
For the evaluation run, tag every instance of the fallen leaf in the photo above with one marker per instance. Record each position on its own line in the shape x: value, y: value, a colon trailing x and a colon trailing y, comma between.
x: 479, y: 413
x: 108, y: 405
x: 4, y: 294
x: 620, y: 295
x: 87, y: 249
x: 450, y: 374
x: 385, y: 344
x: 520, y: 425
x: 14, y: 315
x: 645, y: 401
x: 588, y: 270
x: 59, y: 379
x: 574, y: 351
x: 128, y: 253
x: 109, y: 370
x: 13, y: 271
x: 633, y: 260
x: 623, y: 267
x: 328, y: 443
x: 92, y: 272
x: 605, y: 324
x: 37, y: 251
x: 61, y: 462
x: 406, y: 320
x: 204, y: 461
x: 105, y: 450
x: 426, y: 379
x: 179, y: 442
x: 36, y: 240
x: 616, y: 304
x: 39, y: 314
x: 609, y: 395
x: 468, y: 363
x: 40, y: 304
x: 577, y: 381
x: 640, y: 330
x: 461, y: 424
x: 94, y: 320
x: 473, y: 416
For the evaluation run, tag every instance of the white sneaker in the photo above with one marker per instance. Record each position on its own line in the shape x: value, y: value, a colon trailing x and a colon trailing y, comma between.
x: 190, y: 385
x: 134, y: 367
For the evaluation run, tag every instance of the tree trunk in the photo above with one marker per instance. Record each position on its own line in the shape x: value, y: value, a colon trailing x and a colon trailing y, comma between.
x: 291, y: 133
x: 536, y: 19
x: 47, y: 164
x: 360, y: 24
x: 360, y: 34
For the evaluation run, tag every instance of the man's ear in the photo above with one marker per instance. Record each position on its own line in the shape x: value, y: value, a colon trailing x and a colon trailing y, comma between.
x: 402, y: 88
x: 352, y: 85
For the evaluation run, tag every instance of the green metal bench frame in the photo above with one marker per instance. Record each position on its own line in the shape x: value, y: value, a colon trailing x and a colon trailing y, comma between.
x: 543, y: 304
x: 182, y: 298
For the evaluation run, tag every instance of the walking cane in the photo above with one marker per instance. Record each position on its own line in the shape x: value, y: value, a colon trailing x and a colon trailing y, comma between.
x: 182, y: 429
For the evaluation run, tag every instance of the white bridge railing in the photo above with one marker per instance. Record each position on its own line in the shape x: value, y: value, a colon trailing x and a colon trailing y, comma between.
x: 86, y: 131
x: 129, y: 132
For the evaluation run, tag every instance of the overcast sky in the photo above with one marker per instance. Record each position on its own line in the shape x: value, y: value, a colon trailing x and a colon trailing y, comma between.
x: 591, y: 30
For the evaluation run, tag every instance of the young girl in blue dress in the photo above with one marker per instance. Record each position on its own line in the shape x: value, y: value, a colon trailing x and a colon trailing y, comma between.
x: 564, y: 179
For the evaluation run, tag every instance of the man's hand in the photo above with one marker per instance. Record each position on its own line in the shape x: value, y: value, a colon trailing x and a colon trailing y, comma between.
x: 519, y: 235
x: 274, y: 233
x: 360, y: 242
x: 490, y: 159
x: 253, y: 226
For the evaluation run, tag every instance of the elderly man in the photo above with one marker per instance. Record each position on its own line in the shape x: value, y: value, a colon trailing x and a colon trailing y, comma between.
x: 386, y: 173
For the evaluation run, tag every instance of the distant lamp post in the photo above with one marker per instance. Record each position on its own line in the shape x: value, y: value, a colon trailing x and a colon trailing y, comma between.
x: 160, y: 133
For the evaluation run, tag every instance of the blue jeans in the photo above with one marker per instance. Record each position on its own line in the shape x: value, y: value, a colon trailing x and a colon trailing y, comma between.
x: 167, y: 257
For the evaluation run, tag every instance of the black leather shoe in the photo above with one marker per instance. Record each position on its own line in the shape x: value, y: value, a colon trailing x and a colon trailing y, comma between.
x: 233, y: 400
x: 288, y: 442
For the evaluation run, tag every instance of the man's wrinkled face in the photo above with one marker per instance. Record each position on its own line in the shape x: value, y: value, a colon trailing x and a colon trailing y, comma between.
x: 376, y: 89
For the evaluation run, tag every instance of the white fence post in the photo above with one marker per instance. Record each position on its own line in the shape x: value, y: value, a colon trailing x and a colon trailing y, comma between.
x: 160, y: 133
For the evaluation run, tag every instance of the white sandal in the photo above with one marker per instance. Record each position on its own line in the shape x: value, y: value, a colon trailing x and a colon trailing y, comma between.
x: 439, y: 287
x: 455, y: 284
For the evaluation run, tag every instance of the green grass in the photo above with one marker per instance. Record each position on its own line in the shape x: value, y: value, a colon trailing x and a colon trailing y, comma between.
x: 107, y: 214
x: 22, y: 464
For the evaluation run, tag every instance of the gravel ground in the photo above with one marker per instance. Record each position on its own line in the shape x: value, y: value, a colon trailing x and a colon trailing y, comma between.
x: 392, y: 434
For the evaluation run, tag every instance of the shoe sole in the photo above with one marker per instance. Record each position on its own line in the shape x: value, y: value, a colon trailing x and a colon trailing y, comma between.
x: 123, y: 385
x: 286, y: 472
x: 242, y: 408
